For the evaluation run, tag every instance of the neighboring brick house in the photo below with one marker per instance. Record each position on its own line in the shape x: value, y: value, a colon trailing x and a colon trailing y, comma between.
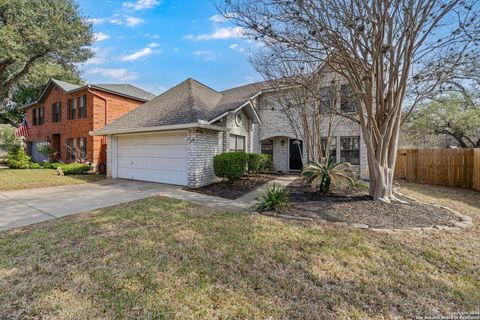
x: 174, y: 137
x: 65, y: 113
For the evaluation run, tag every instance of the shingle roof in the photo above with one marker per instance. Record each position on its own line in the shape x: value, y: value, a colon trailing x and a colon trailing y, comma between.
x: 187, y: 102
x: 126, y: 90
x: 65, y: 85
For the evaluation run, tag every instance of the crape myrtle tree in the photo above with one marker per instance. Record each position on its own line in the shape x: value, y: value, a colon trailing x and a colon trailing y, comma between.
x: 301, y: 95
x: 38, y: 36
x: 384, y: 49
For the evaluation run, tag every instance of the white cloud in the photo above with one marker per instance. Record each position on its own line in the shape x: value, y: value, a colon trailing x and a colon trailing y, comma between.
x: 96, y: 20
x: 218, y: 18
x: 138, y: 54
x: 207, y: 55
x: 218, y: 34
x: 117, y: 74
x: 133, y: 21
x: 101, y: 56
x: 141, y: 4
x: 236, y: 47
x: 100, y: 36
x: 144, y: 52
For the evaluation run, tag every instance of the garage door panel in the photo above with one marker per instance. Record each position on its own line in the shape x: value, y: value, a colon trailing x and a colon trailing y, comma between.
x: 163, y: 163
x: 152, y: 150
x: 147, y: 175
x: 153, y: 139
x: 153, y: 157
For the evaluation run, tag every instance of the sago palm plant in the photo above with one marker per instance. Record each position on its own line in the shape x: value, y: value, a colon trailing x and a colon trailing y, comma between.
x: 320, y: 175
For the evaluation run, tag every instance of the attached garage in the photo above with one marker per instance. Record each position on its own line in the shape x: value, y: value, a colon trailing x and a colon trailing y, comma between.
x: 155, y: 157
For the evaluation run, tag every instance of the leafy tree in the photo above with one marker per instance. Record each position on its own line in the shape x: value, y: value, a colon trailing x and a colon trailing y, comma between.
x: 38, y: 38
x: 454, y: 115
x: 8, y: 140
x: 380, y: 47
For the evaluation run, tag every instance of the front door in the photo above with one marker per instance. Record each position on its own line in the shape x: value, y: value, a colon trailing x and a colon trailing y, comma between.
x: 56, y: 145
x: 296, y: 150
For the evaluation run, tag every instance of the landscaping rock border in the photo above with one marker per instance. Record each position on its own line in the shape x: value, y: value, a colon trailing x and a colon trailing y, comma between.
x: 465, y: 222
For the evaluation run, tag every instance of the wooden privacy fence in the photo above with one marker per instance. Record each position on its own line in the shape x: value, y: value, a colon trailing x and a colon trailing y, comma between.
x: 447, y: 167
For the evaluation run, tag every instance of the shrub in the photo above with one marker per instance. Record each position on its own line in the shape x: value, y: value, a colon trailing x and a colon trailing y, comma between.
x: 35, y: 166
x: 17, y: 159
x: 230, y: 165
x: 74, y: 168
x: 272, y: 198
x: 254, y: 163
x: 51, y: 165
x: 265, y: 161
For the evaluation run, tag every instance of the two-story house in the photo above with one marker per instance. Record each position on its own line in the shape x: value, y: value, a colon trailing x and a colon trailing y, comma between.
x: 65, y: 113
x: 174, y: 137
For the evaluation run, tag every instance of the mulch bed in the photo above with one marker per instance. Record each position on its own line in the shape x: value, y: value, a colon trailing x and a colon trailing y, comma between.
x: 236, y: 189
x: 357, y: 207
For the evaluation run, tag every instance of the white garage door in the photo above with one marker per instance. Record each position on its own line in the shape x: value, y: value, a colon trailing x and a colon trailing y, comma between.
x: 153, y: 157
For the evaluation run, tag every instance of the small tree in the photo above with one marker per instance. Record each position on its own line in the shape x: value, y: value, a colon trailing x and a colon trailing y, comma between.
x: 8, y: 140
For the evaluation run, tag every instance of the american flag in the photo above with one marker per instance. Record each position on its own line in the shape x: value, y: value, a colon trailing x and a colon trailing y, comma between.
x: 22, y: 130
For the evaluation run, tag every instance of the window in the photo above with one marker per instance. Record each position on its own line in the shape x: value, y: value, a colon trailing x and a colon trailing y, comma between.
x: 333, y: 148
x: 82, y: 107
x: 57, y: 112
x: 267, y: 147
x: 41, y: 115
x: 237, y: 143
x: 326, y: 100
x: 82, y: 146
x: 35, y: 116
x: 72, y: 108
x: 350, y: 150
x: 71, y: 149
x: 348, y: 102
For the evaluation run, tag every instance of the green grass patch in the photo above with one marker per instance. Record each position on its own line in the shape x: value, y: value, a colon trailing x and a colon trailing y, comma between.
x: 160, y: 258
x: 11, y: 179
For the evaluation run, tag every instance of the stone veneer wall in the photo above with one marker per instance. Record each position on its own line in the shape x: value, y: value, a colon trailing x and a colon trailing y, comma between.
x: 109, y: 156
x: 203, y: 146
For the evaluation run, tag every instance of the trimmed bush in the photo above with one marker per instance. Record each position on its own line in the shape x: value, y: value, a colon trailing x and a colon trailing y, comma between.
x: 254, y: 163
x: 51, y: 165
x: 17, y: 159
x: 35, y: 166
x: 266, y: 161
x: 75, y: 168
x: 230, y: 165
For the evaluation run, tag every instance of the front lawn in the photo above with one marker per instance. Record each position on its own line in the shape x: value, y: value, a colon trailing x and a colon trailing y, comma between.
x: 160, y: 258
x: 11, y: 179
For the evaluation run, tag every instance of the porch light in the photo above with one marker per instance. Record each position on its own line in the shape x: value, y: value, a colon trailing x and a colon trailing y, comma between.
x: 282, y: 142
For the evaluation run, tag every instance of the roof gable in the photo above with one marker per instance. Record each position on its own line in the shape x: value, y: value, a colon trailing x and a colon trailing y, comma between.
x: 186, y: 103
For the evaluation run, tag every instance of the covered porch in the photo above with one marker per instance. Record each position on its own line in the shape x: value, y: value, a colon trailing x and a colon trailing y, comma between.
x: 287, y: 152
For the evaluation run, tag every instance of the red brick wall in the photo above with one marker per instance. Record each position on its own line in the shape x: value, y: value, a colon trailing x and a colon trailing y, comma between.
x: 80, y: 128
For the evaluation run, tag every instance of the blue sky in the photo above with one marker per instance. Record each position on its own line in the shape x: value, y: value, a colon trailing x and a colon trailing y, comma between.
x: 156, y: 44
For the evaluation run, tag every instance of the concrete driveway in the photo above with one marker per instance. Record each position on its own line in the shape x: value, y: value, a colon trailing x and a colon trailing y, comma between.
x: 24, y: 207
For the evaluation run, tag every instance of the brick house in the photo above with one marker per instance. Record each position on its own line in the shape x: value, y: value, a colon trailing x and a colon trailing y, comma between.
x: 65, y: 113
x: 174, y: 137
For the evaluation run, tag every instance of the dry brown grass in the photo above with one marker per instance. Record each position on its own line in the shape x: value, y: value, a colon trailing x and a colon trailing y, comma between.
x: 11, y: 179
x: 161, y: 258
